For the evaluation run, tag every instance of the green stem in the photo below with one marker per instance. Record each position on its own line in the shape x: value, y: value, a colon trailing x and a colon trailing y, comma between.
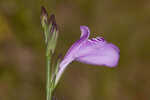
x: 48, y: 77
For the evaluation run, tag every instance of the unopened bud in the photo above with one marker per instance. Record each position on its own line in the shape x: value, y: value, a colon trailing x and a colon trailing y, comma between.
x: 52, y: 23
x: 44, y: 23
x: 50, y: 30
x: 44, y: 17
x: 53, y: 29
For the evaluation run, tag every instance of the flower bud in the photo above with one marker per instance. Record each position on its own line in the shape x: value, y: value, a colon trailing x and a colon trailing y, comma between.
x: 53, y: 38
x: 44, y: 23
x: 50, y: 30
x: 51, y: 22
x: 53, y: 34
x: 44, y: 17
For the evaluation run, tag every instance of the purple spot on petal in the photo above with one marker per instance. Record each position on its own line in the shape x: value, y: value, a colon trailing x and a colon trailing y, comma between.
x: 101, y: 39
x: 93, y: 39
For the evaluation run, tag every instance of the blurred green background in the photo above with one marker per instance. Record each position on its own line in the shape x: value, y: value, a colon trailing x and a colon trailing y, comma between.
x: 125, y: 23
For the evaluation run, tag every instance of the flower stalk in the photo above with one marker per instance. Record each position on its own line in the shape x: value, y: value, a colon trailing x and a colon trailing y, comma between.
x: 50, y: 31
x: 48, y: 77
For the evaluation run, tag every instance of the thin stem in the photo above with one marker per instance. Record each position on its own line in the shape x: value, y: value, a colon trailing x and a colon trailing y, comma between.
x: 48, y: 78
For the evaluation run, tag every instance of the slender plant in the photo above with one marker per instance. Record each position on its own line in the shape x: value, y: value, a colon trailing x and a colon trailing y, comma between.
x: 50, y: 30
x: 95, y: 51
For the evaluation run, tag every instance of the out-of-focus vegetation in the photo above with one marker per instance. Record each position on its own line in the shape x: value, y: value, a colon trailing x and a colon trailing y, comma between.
x: 125, y: 23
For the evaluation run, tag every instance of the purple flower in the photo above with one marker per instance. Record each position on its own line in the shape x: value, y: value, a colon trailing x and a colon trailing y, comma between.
x: 95, y: 51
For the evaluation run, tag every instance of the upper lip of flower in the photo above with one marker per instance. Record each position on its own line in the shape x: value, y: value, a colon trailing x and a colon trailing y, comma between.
x: 95, y: 51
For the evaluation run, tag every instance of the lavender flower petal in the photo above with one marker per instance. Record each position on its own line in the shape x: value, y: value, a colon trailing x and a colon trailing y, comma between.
x: 95, y: 51
x: 98, y: 52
